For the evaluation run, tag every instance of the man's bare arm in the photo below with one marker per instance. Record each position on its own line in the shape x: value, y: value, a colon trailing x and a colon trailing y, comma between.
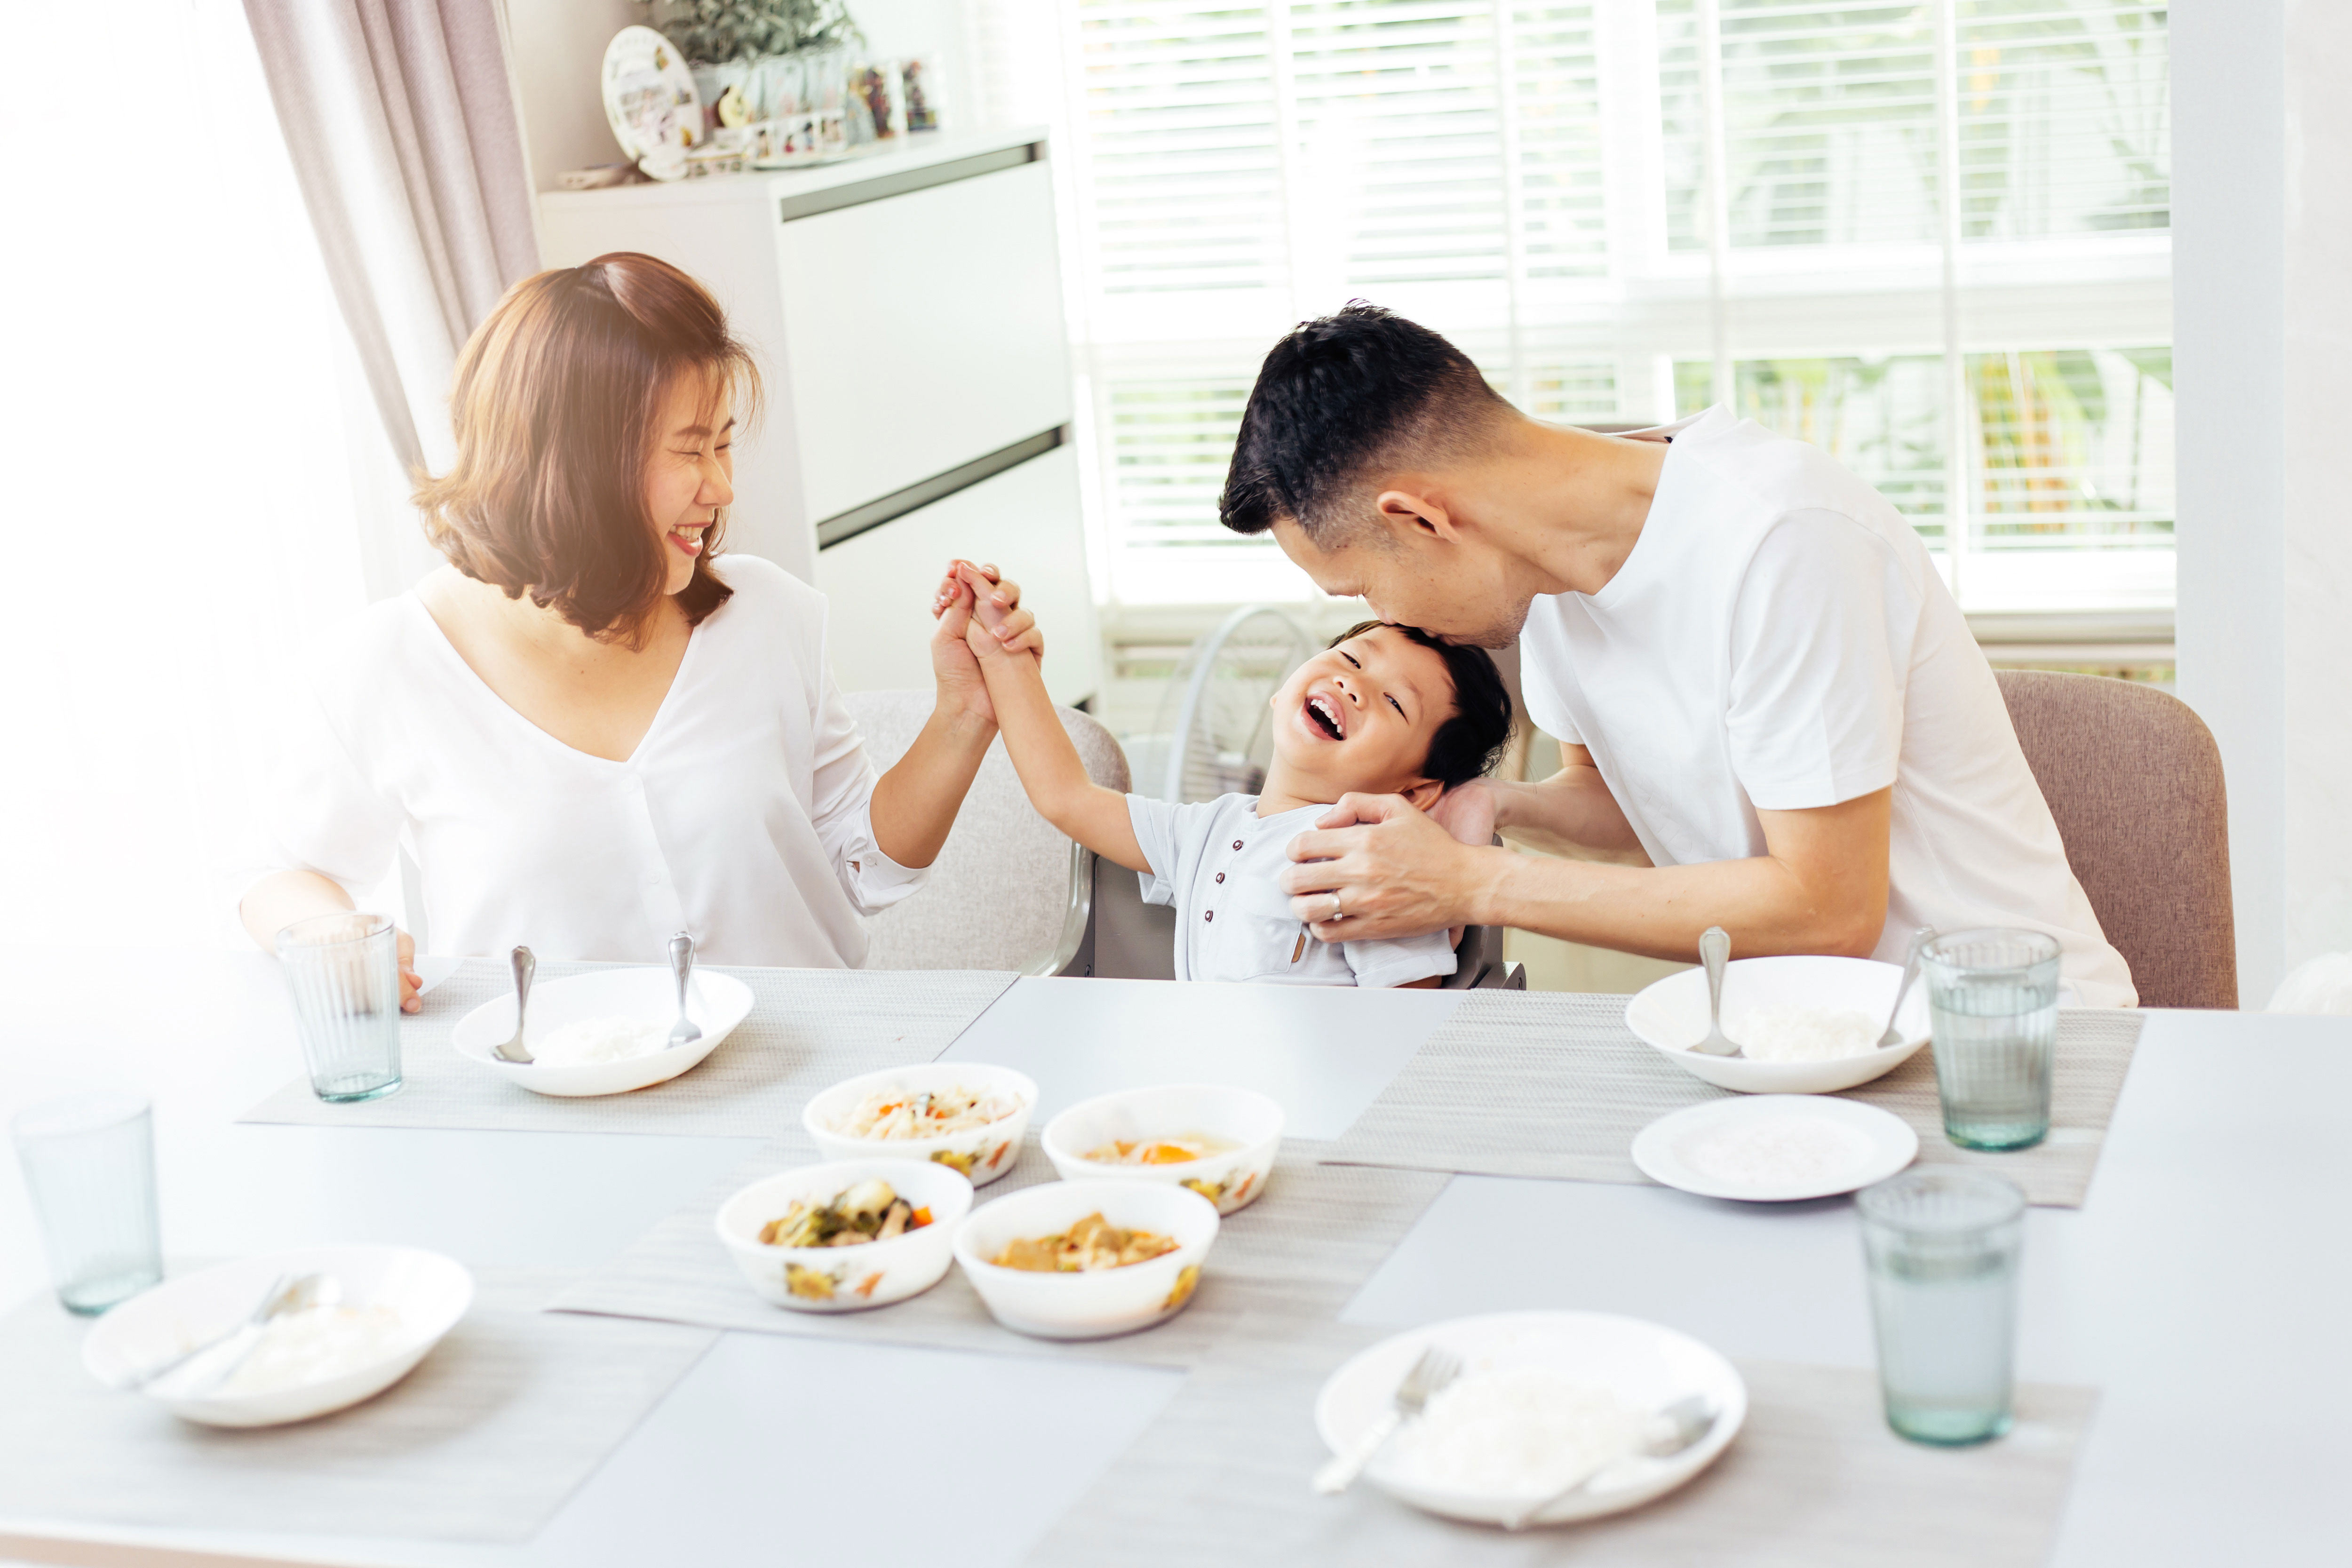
x: 1571, y: 812
x: 1821, y: 887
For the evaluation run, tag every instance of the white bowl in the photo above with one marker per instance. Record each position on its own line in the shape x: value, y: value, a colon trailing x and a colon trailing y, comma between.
x: 1670, y: 1015
x: 983, y: 1154
x: 1645, y: 1365
x: 846, y: 1278
x: 1107, y: 1301
x: 429, y: 1292
x: 716, y: 1001
x: 1231, y: 1179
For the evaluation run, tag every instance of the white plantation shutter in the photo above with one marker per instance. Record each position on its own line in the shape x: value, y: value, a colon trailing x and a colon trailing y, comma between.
x: 1930, y: 236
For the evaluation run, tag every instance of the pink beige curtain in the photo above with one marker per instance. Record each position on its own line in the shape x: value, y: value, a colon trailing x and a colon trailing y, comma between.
x: 401, y: 120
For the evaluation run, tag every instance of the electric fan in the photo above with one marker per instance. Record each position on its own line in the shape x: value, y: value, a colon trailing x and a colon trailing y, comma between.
x: 1219, y: 728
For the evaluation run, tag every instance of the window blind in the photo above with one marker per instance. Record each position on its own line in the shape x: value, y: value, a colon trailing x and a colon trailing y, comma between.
x: 1929, y: 236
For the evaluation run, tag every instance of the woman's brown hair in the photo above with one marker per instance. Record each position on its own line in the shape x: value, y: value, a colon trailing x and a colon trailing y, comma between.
x: 557, y: 403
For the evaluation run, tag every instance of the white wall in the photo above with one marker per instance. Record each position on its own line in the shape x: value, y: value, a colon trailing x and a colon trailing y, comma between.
x: 559, y: 49
x: 2263, y: 360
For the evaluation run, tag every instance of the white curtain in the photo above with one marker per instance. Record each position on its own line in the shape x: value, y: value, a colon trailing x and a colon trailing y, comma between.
x: 400, y: 119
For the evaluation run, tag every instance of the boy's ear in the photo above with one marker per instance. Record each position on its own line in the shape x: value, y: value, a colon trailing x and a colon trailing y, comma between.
x: 1424, y: 794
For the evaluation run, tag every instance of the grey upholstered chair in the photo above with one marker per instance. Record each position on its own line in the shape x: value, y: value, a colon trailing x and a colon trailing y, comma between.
x: 2133, y: 779
x: 1008, y: 891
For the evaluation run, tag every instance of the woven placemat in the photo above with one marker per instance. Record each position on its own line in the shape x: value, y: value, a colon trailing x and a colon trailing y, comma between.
x: 482, y: 1442
x: 1813, y: 1480
x: 808, y: 1029
x: 1553, y: 1084
x: 1295, y: 1257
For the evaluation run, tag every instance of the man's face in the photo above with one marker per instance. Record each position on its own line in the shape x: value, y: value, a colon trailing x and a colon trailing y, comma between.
x: 1456, y: 588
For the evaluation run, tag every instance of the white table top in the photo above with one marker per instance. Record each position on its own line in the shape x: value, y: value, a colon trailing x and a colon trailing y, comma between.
x: 2200, y: 1288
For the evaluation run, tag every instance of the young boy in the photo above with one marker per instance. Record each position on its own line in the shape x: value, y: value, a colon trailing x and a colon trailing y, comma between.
x: 1384, y: 710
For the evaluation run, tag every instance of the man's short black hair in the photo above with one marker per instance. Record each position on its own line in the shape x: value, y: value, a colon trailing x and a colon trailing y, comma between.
x: 1471, y: 741
x: 1337, y: 395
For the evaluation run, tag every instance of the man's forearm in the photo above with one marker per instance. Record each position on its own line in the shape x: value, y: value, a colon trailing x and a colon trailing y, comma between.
x: 1571, y: 812
x: 1660, y: 911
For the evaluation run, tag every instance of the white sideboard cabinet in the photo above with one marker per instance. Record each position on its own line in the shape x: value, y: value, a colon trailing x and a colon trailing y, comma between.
x: 906, y: 312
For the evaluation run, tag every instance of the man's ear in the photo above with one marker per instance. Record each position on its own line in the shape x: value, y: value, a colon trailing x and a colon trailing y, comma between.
x: 1423, y: 794
x: 1414, y: 510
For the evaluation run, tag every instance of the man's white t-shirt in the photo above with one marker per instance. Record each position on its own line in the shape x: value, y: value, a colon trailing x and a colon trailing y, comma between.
x: 1778, y: 639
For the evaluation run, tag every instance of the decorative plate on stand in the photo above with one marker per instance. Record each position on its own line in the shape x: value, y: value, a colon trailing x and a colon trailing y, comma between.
x: 650, y: 102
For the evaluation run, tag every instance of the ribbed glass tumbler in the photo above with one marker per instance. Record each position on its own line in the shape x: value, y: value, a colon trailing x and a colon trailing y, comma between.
x: 1942, y: 1248
x: 89, y: 1165
x: 1993, y: 999
x: 344, y: 971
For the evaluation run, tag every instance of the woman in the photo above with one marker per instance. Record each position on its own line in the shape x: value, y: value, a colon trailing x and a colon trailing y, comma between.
x: 588, y: 730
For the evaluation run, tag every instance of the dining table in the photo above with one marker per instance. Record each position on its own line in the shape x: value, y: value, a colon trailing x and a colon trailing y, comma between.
x: 2198, y: 1291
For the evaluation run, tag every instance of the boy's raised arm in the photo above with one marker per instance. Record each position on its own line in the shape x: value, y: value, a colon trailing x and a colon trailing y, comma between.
x: 1041, y: 754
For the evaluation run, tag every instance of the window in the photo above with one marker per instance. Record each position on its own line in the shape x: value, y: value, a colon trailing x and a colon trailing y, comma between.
x: 1931, y: 237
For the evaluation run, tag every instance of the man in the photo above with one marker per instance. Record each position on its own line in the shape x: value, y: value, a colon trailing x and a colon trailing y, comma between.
x: 1755, y: 676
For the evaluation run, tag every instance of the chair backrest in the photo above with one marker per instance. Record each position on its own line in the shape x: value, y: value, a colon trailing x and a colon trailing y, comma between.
x: 1000, y: 893
x: 2133, y: 779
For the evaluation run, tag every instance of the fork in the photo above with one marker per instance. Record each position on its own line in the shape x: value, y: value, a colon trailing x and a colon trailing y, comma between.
x: 1435, y: 1369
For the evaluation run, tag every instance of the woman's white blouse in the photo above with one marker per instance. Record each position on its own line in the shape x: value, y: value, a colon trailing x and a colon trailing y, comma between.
x: 742, y: 817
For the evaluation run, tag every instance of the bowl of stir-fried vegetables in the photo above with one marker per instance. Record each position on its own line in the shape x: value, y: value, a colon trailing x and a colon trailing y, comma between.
x: 847, y: 1235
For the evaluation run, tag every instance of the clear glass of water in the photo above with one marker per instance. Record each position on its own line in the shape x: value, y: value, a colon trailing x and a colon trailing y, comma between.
x: 1942, y: 1248
x: 344, y: 970
x: 89, y: 1165
x: 1992, y: 997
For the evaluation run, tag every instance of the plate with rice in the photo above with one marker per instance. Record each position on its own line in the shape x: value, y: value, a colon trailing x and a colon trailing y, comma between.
x: 1544, y: 1400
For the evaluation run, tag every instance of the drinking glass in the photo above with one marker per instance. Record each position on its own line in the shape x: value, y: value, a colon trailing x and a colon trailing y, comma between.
x: 1992, y: 997
x: 344, y: 971
x: 1942, y: 1249
x: 89, y: 1165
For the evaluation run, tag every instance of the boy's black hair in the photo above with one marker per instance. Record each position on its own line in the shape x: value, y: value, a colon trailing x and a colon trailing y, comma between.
x: 1471, y: 741
x: 1333, y: 398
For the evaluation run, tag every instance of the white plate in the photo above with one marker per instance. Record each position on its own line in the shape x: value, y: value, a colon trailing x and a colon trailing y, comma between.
x: 1842, y: 1145
x: 716, y: 1001
x: 1644, y: 1364
x: 650, y: 102
x: 429, y: 1292
x: 1670, y: 1016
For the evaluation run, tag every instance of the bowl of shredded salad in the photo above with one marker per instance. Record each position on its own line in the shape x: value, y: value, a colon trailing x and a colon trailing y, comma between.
x: 968, y: 1116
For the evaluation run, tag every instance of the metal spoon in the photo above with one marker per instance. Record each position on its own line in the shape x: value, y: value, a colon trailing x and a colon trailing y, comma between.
x: 514, y: 1050
x: 287, y: 1293
x: 1714, y: 950
x: 686, y: 1031
x: 1919, y: 940
x: 1693, y: 1420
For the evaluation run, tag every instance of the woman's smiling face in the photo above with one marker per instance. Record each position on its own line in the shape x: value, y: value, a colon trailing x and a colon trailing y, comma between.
x: 1360, y: 716
x: 691, y: 473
